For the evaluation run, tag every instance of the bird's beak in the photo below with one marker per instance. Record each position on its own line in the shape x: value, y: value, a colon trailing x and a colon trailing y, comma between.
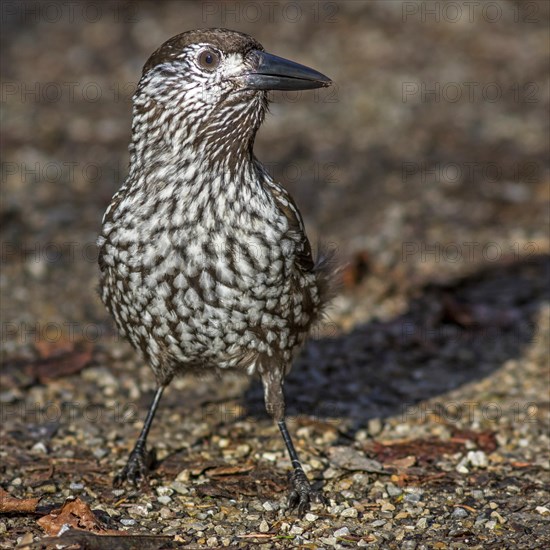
x: 271, y: 72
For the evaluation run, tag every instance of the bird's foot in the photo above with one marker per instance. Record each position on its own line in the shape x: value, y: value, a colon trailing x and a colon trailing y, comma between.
x: 302, y: 493
x: 137, y: 468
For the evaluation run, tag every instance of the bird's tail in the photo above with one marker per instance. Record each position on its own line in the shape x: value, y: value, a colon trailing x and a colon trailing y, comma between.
x: 327, y: 271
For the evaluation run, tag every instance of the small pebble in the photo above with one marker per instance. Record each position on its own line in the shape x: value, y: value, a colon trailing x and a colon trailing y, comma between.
x: 268, y: 506
x: 166, y: 513
x: 310, y: 517
x: 393, y: 490
x: 459, y: 513
x: 182, y: 477
x: 272, y: 457
x: 374, y: 426
x: 139, y: 510
x: 264, y: 527
x: 316, y: 464
x: 349, y: 513
x: 25, y: 540
x: 422, y: 523
x: 336, y: 509
x: 180, y: 487
x: 498, y: 517
x: 128, y: 521
x: 100, y: 453
x: 241, y: 450
x: 344, y: 531
x: 477, y: 459
x: 163, y: 490
x: 40, y: 448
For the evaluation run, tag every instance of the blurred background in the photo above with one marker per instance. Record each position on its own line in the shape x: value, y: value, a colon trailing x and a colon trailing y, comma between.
x: 425, y: 167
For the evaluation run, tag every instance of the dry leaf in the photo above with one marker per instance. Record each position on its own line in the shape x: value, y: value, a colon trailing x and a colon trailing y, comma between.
x: 20, y: 505
x: 257, y: 536
x: 74, y: 514
x: 486, y: 441
x: 54, y: 348
x: 517, y: 464
x: 356, y: 270
x: 65, y: 363
x: 402, y: 463
x: 425, y: 450
x: 229, y: 470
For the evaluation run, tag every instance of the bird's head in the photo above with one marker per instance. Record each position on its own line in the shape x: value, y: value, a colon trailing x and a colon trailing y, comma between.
x: 207, y: 89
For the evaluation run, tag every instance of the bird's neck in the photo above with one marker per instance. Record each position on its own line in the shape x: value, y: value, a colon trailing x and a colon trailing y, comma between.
x: 205, y: 196
x: 211, y: 175
x: 220, y: 144
x: 203, y: 166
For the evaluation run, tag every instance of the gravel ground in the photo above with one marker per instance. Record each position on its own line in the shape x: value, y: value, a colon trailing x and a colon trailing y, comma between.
x: 419, y: 406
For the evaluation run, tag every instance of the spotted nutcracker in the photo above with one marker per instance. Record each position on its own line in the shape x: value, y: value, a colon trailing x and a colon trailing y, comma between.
x: 203, y: 256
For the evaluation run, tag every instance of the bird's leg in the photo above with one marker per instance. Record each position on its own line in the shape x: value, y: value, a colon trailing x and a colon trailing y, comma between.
x: 140, y: 460
x: 301, y: 493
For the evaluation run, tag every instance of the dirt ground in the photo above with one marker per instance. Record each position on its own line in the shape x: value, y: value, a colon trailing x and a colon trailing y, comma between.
x: 420, y: 406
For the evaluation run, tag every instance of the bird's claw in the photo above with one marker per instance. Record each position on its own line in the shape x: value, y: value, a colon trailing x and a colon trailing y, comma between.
x: 137, y: 468
x: 302, y: 493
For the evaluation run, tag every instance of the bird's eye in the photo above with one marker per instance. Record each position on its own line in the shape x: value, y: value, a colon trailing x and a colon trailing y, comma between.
x: 209, y: 59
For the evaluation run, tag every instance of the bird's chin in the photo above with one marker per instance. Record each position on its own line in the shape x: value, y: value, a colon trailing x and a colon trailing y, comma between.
x: 258, y: 98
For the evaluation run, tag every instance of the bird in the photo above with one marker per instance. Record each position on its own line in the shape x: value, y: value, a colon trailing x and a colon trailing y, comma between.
x: 204, y: 260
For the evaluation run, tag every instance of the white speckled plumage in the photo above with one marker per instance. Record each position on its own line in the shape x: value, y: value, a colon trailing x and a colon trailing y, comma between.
x: 200, y: 245
x: 204, y: 260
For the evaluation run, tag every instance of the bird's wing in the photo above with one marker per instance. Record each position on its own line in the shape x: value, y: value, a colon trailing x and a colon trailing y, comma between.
x: 107, y: 217
x: 286, y: 204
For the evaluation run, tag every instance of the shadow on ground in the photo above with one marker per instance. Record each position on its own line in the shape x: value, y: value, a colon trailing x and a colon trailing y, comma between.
x: 451, y: 335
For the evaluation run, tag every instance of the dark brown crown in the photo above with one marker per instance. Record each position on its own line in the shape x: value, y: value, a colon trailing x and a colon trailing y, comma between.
x: 224, y: 39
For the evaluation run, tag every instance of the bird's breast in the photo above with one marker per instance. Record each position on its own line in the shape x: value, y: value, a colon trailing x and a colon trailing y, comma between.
x: 205, y: 286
